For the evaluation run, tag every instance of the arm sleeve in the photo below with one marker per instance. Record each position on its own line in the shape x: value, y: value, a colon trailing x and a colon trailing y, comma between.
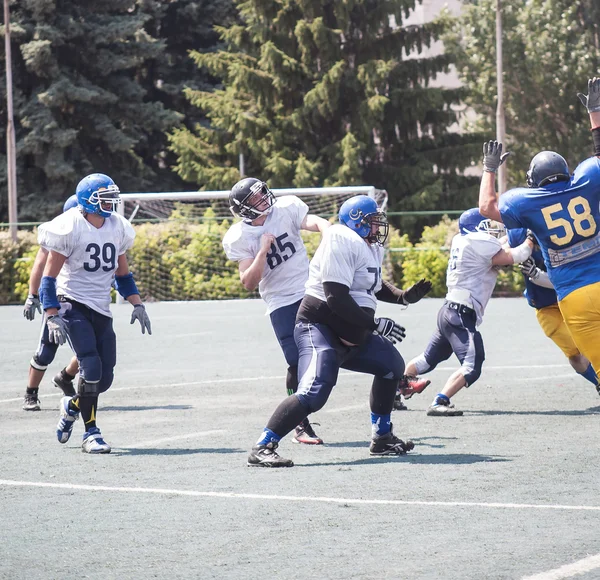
x: 127, y: 236
x: 389, y: 293
x: 236, y: 248
x: 338, y: 259
x: 58, y: 236
x: 516, y: 237
x: 300, y: 211
x: 542, y: 280
x: 341, y: 303
x: 506, y: 206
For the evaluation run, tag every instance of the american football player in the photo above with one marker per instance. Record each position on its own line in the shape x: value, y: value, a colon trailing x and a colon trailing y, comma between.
x: 87, y: 246
x: 562, y: 211
x: 46, y: 350
x: 336, y: 327
x: 475, y: 253
x: 270, y: 253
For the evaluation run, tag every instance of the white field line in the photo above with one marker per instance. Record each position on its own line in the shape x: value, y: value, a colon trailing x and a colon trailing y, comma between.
x: 276, y: 377
x: 175, y: 438
x: 289, y: 498
x: 569, y: 570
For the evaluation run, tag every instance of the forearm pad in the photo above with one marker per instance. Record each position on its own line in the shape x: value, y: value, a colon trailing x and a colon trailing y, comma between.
x: 521, y: 253
x: 341, y: 303
x: 389, y: 293
x: 542, y: 280
x: 48, y: 295
x: 126, y: 285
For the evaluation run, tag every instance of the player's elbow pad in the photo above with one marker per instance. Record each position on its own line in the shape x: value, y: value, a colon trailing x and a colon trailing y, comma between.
x: 48, y: 296
x: 521, y: 253
x: 126, y: 285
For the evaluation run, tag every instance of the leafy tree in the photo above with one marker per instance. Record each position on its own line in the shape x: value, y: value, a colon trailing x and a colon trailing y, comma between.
x: 318, y: 92
x: 79, y: 104
x: 550, y: 49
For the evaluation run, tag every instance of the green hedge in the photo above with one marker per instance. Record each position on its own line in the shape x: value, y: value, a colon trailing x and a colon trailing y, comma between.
x: 183, y: 260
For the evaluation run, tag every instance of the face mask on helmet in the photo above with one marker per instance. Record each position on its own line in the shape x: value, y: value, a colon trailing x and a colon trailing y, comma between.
x: 491, y: 227
x: 361, y: 215
x: 98, y: 193
x: 250, y: 199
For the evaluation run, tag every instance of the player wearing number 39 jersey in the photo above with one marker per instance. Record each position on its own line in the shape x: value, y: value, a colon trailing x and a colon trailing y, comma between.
x: 87, y: 246
x: 562, y: 210
x: 271, y: 255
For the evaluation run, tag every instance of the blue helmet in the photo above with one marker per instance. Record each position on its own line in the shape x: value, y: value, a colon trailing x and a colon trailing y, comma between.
x: 70, y: 203
x: 98, y: 193
x: 547, y: 167
x: 471, y: 221
x: 361, y: 214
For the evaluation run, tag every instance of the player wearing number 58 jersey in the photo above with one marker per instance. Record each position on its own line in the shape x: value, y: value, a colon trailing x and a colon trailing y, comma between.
x: 270, y: 254
x: 562, y: 210
x: 87, y: 246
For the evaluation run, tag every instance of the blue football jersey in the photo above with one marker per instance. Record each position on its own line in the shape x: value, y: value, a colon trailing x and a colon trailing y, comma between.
x: 537, y: 296
x: 565, y: 218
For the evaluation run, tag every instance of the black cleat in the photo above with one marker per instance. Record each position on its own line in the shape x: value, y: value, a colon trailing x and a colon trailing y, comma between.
x: 65, y: 385
x: 31, y: 402
x: 266, y: 456
x: 389, y: 444
x: 398, y: 403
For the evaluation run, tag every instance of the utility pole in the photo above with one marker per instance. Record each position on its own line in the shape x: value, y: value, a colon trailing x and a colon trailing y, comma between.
x: 500, y: 127
x: 11, y: 158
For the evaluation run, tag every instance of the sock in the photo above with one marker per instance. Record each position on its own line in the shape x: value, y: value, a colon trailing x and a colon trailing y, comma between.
x: 590, y: 375
x: 267, y: 437
x: 380, y: 424
x: 441, y: 399
x: 34, y: 390
x: 88, y: 406
x: 74, y: 404
x: 66, y: 375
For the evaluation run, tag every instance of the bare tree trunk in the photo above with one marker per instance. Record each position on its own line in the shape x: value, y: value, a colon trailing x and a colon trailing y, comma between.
x: 500, y: 127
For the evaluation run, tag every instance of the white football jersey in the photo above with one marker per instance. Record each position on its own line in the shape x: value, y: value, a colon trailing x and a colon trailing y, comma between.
x: 471, y: 276
x: 344, y: 257
x: 92, y: 254
x: 286, y: 269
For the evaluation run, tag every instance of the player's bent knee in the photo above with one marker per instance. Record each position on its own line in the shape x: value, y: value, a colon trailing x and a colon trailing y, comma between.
x: 90, y: 368
x: 471, y: 375
x: 422, y: 365
x: 87, y: 388
x: 37, y: 364
x: 313, y: 402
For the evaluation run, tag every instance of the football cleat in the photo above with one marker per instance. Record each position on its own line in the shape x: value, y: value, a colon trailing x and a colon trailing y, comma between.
x: 441, y: 409
x: 389, y: 444
x: 31, y: 402
x: 93, y: 442
x: 267, y: 456
x: 66, y: 421
x: 306, y: 434
x: 64, y: 385
x: 398, y: 403
x: 410, y: 386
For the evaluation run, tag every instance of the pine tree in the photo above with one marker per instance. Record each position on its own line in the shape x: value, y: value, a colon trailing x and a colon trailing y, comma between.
x: 319, y: 92
x: 79, y: 105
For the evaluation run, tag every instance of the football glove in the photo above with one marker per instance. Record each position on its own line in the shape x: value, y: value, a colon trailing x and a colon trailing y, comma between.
x: 139, y: 313
x: 57, y: 329
x: 387, y: 328
x: 529, y: 268
x: 493, y: 156
x: 31, y: 305
x: 416, y: 291
x: 591, y: 101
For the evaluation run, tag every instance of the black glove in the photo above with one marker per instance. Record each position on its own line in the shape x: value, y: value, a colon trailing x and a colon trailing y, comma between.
x: 529, y: 268
x: 591, y: 101
x: 531, y: 236
x: 139, y: 313
x: 492, y: 156
x: 387, y: 328
x: 416, y: 291
x: 31, y: 305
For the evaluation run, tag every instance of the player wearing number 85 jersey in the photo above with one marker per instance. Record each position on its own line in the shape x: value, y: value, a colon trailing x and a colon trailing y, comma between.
x: 270, y: 254
x: 562, y: 210
x: 87, y: 246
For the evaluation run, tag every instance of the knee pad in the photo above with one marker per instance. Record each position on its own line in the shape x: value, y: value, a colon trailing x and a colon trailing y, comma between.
x: 106, y: 381
x: 90, y: 368
x: 37, y: 364
x: 44, y: 356
x: 471, y: 375
x: 86, y: 388
x: 313, y: 402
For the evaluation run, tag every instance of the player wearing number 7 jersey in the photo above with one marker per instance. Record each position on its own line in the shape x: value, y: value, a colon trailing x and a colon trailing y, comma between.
x: 562, y: 210
x: 270, y: 254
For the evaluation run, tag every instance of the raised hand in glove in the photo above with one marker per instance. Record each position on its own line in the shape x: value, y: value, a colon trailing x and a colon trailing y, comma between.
x: 31, y: 305
x: 139, y: 313
x: 57, y: 329
x: 591, y: 101
x: 416, y: 291
x: 529, y: 268
x: 493, y: 156
x: 387, y: 328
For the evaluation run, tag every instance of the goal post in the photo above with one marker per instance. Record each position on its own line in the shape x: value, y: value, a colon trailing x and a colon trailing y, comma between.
x: 177, y: 254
